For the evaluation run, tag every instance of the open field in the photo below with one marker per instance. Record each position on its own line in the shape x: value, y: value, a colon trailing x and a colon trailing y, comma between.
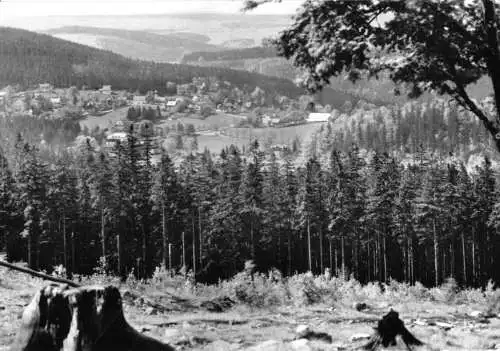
x: 442, y: 317
x: 222, y: 123
x: 105, y: 121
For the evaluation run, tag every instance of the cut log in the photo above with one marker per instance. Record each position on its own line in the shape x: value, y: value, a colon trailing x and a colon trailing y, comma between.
x: 89, y: 318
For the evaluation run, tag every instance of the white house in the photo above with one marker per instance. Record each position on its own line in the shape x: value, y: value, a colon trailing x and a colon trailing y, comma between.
x: 275, y: 120
x: 171, y: 103
x: 106, y: 89
x: 112, y: 139
x: 45, y: 87
x: 266, y: 120
x: 55, y: 100
x: 318, y: 117
x: 139, y: 100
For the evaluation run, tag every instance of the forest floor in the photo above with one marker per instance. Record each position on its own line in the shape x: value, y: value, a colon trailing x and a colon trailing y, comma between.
x: 184, y: 324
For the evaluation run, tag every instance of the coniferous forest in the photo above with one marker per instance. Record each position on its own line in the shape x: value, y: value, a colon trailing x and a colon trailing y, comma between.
x: 354, y: 205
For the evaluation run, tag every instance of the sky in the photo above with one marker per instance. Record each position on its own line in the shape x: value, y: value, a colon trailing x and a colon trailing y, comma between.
x: 15, y: 9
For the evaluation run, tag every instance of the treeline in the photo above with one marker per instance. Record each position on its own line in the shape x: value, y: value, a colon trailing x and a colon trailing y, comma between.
x: 433, y: 125
x: 366, y: 216
x: 230, y: 55
x: 29, y: 58
x: 46, y: 130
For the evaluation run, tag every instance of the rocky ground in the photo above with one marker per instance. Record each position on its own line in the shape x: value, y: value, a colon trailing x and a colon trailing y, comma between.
x: 194, y: 325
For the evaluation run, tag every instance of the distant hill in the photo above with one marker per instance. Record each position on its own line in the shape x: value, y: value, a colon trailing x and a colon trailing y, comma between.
x: 137, y: 44
x: 231, y: 55
x: 29, y: 58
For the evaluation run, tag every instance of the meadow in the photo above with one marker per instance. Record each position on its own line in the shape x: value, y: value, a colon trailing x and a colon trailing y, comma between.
x: 257, y: 311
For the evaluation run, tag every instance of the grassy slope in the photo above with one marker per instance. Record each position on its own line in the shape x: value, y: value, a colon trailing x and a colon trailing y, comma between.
x: 243, y: 326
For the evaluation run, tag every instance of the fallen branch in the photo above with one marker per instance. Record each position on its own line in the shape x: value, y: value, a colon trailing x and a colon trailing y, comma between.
x: 40, y: 274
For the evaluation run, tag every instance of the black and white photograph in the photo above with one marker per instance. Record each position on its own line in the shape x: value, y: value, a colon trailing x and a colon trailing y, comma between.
x: 249, y: 175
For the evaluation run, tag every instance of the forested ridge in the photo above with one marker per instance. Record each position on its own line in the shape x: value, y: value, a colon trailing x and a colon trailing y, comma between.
x: 232, y: 54
x: 369, y: 212
x: 29, y: 58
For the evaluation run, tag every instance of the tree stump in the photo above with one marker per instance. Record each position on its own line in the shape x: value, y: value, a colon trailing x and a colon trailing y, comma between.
x: 89, y: 318
x: 388, y: 328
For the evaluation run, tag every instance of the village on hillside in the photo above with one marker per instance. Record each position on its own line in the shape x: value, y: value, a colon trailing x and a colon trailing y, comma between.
x: 109, y: 115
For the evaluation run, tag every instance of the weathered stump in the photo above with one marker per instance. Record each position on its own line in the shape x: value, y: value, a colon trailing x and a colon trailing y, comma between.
x: 90, y: 318
x: 388, y: 328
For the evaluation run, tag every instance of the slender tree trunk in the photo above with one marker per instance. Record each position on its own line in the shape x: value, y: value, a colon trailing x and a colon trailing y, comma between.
x: 200, y: 255
x: 436, y: 257
x: 404, y: 251
x: 169, y: 256
x: 280, y: 249
x: 452, y: 260
x: 30, y: 251
x: 336, y: 261
x: 331, y: 255
x: 144, y: 250
x: 194, y: 247
x: 412, y: 263
x: 343, y: 257
x: 164, y: 237
x: 444, y: 264
x: 321, y: 251
x: 103, y: 236
x: 184, y: 249
x: 473, y: 256
x: 73, y: 258
x: 252, y: 242
x: 356, y: 253
x: 289, y: 251
x: 119, y: 251
x: 385, y: 259
x: 309, y: 254
x: 464, y: 261
x: 65, y: 243
x: 369, y: 259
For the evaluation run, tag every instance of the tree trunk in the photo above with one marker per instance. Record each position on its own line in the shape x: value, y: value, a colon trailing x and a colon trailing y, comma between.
x: 464, y: 262
x: 30, y: 250
x: 103, y: 237
x: 493, y: 53
x: 473, y: 257
x: 119, y: 251
x: 343, y: 257
x: 452, y: 260
x: 289, y: 252
x: 169, y: 256
x: 65, y: 243
x: 331, y: 255
x: 252, y: 242
x: 183, y: 249
x: 200, y: 255
x: 144, y: 250
x: 385, y: 259
x: 336, y: 261
x: 194, y: 247
x: 369, y: 259
x: 73, y: 259
x: 164, y: 237
x: 321, y: 251
x: 436, y: 258
x: 309, y: 254
x: 412, y: 263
